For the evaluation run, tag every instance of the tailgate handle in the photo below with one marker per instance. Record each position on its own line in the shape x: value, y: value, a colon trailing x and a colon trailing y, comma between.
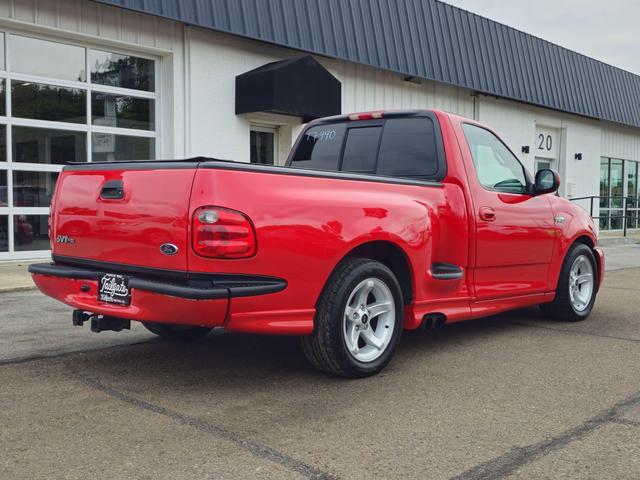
x: 112, y: 190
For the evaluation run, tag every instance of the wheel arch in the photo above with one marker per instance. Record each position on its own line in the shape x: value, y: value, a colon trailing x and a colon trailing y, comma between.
x: 393, y: 257
x: 583, y: 239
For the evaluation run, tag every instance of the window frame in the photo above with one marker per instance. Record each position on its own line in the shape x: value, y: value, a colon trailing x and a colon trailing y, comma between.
x: 272, y: 129
x: 527, y: 175
x: 87, y: 128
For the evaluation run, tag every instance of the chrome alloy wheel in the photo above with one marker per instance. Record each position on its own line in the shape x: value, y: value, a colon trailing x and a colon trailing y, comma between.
x: 369, y: 320
x: 581, y: 283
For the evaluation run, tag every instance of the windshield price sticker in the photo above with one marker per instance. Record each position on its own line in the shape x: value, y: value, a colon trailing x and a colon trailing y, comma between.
x: 321, y: 135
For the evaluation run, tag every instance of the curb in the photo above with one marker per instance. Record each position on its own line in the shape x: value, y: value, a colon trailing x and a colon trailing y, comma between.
x: 24, y: 288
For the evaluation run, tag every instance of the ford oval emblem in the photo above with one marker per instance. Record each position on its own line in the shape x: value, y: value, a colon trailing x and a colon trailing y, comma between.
x: 168, y: 249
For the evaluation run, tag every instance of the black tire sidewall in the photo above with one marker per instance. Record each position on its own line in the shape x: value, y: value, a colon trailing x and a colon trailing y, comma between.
x: 372, y: 269
x: 577, y: 251
x: 561, y: 308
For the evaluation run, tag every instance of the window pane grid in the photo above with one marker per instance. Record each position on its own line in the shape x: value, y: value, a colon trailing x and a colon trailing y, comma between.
x: 50, y: 119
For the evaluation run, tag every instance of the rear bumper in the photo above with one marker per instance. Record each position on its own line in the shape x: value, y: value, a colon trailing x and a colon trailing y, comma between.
x: 212, y: 287
x: 203, y: 301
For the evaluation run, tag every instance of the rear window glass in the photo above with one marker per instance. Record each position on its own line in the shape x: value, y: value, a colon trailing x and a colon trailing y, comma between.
x: 361, y: 149
x: 319, y: 148
x: 408, y: 148
x: 393, y: 147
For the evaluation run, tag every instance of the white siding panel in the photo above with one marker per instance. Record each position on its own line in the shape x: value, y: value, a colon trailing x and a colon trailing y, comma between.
x: 366, y: 88
x: 46, y: 13
x: 68, y: 15
x: 83, y: 16
x: 89, y: 18
x: 25, y: 10
x: 620, y: 142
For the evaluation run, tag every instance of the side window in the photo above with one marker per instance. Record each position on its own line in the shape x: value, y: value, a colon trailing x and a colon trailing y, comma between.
x: 361, y: 149
x: 497, y: 168
x: 408, y: 148
x: 319, y: 147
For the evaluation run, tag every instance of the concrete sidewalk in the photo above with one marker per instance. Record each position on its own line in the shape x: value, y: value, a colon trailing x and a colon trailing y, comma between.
x: 14, y: 275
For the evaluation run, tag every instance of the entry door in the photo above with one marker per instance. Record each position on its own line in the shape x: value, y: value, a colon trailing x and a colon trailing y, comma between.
x: 264, y: 145
x: 514, y: 230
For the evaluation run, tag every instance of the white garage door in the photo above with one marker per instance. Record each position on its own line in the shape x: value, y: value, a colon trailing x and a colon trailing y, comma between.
x: 59, y: 103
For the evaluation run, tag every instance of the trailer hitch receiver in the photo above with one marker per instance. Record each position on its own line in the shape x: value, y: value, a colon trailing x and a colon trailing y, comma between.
x: 100, y: 323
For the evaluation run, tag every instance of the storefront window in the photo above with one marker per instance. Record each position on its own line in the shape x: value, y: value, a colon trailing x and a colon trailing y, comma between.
x: 107, y: 147
x: 121, y: 111
x: 48, y: 146
x: 74, y: 104
x: 632, y: 194
x: 124, y: 71
x: 56, y: 60
x: 33, y: 189
x: 31, y: 232
x: 617, y: 186
x: 619, y: 192
x: 4, y: 196
x: 48, y: 102
x: 3, y: 103
x: 4, y: 233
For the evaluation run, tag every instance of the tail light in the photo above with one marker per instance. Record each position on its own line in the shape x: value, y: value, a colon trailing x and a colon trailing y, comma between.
x: 223, y: 233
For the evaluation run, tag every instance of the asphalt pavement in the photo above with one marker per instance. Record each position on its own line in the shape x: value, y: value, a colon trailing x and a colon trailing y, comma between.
x: 512, y: 396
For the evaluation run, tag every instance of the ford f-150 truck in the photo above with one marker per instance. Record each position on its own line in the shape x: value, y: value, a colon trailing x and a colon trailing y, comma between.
x: 378, y: 222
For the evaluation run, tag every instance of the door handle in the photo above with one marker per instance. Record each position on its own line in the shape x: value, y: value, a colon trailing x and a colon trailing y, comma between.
x: 112, y: 190
x: 487, y: 214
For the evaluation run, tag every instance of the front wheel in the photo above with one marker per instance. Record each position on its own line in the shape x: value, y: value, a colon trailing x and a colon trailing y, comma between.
x: 176, y: 332
x: 358, y: 320
x: 576, y: 291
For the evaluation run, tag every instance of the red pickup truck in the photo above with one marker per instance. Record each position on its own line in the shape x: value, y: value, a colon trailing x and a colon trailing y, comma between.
x: 379, y: 222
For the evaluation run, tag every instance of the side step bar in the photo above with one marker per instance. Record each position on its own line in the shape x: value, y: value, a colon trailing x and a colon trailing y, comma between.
x: 446, y: 271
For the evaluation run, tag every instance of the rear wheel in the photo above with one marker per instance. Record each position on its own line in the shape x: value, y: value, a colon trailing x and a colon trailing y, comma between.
x: 358, y: 321
x: 180, y: 332
x: 576, y: 291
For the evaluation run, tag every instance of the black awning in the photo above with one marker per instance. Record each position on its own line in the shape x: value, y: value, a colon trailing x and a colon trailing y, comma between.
x: 297, y: 86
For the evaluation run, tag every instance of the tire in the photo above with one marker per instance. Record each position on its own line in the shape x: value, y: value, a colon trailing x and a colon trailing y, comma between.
x: 569, y: 306
x: 357, y: 342
x: 176, y: 332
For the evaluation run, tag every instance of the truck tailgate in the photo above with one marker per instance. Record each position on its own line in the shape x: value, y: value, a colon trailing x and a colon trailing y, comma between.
x: 121, y: 215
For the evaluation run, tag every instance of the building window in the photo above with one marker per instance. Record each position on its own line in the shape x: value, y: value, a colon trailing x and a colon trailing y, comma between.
x: 264, y: 145
x: 542, y: 164
x: 76, y: 103
x: 619, y: 194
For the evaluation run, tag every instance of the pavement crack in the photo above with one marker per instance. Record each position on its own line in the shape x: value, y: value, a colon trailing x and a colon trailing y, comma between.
x: 58, y: 355
x: 517, y: 457
x: 574, y: 332
x: 251, y: 446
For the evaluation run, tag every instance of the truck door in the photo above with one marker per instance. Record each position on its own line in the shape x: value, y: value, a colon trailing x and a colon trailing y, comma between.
x: 514, y: 229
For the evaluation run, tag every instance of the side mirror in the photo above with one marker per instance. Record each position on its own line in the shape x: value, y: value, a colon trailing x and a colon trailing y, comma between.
x: 547, y: 181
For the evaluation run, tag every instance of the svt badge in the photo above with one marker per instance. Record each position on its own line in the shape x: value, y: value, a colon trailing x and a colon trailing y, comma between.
x: 65, y: 239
